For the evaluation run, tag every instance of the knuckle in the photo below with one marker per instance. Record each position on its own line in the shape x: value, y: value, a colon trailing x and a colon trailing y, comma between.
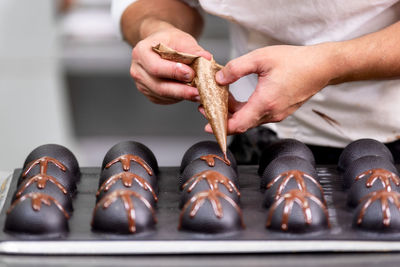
x: 134, y: 73
x: 278, y: 118
x: 153, y: 70
x: 233, y: 69
x: 241, y: 129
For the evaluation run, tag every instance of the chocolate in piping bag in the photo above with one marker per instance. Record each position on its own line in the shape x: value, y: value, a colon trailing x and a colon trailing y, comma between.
x: 213, y: 96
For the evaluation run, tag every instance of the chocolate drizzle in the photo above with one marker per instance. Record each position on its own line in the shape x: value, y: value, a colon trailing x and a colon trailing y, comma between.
x: 384, y: 176
x: 384, y: 196
x: 213, y: 179
x: 302, y: 199
x: 127, y: 179
x: 125, y: 196
x: 37, y: 199
x: 212, y: 196
x: 298, y: 176
x: 210, y: 159
x: 43, y: 162
x: 41, y: 181
x: 126, y: 162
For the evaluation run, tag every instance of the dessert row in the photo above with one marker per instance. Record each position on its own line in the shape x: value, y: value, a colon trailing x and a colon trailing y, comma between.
x: 127, y: 193
x: 42, y: 202
x: 128, y: 187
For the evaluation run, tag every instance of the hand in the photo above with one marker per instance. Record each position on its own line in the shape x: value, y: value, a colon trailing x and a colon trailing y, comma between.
x: 287, y: 77
x: 163, y: 81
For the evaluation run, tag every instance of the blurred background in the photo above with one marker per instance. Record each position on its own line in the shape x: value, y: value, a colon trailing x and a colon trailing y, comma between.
x: 64, y: 78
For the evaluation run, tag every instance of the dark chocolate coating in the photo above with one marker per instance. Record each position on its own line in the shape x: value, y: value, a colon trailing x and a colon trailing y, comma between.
x: 135, y: 187
x: 269, y: 195
x: 284, y: 164
x: 282, y: 148
x: 358, y: 190
x: 360, y: 148
x: 200, y: 165
x: 23, y: 219
x: 205, y: 148
x: 114, y: 219
x: 65, y: 178
x: 363, y: 164
x: 203, y: 186
x: 205, y: 220
x: 297, y: 222
x: 133, y: 148
x: 135, y: 168
x: 61, y: 153
x: 50, y: 189
x: 373, y: 218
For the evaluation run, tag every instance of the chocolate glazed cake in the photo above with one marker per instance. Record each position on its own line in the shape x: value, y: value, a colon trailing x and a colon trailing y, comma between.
x: 360, y: 148
x: 210, y: 151
x: 127, y: 192
x: 137, y: 151
x: 282, y: 148
x: 210, y: 197
x: 42, y: 203
x: 298, y: 211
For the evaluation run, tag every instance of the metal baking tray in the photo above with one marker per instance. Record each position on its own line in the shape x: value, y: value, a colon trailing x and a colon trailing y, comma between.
x: 166, y: 239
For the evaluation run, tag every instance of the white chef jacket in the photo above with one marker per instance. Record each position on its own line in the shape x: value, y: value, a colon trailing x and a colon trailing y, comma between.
x: 365, y: 109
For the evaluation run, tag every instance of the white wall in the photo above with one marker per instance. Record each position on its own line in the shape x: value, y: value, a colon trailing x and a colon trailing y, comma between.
x: 32, y: 110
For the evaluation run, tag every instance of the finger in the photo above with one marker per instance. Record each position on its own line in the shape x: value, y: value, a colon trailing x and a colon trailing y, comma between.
x: 237, y: 68
x: 248, y: 116
x: 167, y: 90
x: 233, y: 104
x: 208, y: 128
x: 203, y: 53
x: 153, y: 97
x: 161, y: 68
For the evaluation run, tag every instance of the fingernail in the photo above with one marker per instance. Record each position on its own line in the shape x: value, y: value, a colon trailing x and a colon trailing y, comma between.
x: 197, y: 98
x: 186, y: 75
x: 220, y: 76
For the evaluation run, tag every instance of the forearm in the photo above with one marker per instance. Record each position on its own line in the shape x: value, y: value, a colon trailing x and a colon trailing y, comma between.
x: 144, y: 17
x: 373, y: 56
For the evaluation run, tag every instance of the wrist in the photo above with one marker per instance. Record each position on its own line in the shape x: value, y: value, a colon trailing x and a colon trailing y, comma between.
x: 151, y: 25
x: 339, y: 62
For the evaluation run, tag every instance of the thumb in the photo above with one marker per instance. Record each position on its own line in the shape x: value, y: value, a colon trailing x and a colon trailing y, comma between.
x: 237, y: 68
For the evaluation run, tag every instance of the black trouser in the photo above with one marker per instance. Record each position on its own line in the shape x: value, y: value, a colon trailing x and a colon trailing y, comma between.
x: 248, y: 147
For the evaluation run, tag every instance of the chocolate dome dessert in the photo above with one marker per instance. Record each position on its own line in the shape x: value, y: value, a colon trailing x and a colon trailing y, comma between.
x: 128, y: 181
x: 290, y: 180
x: 298, y: 212
x: 209, y: 180
x: 49, y: 187
x: 282, y: 148
x: 206, y: 148
x: 52, y: 171
x: 281, y: 165
x: 59, y: 153
x: 370, y: 181
x: 125, y: 152
x: 37, y: 214
x: 361, y: 148
x: 364, y: 164
x: 123, y: 212
x: 140, y: 173
x: 211, y: 212
x: 199, y: 165
x: 379, y: 212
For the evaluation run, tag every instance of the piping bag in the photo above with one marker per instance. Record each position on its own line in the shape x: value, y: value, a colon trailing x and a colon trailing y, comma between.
x: 213, y: 96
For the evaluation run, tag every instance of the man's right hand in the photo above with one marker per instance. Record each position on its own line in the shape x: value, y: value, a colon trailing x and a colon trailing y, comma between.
x: 163, y: 81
